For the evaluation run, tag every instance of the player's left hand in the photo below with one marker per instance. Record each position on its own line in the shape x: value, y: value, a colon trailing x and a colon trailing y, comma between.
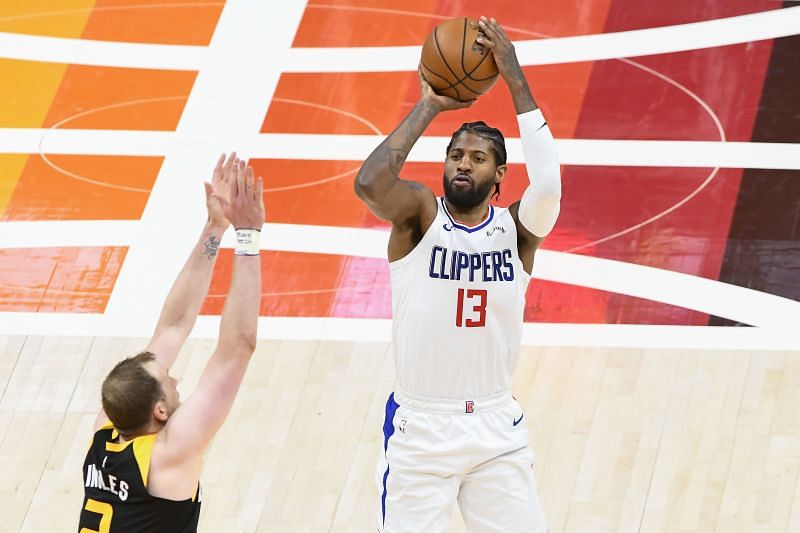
x: 218, y: 190
x: 494, y: 37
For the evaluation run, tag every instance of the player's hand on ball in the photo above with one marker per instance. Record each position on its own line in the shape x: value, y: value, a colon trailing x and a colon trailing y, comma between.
x: 218, y: 190
x: 495, y: 38
x: 441, y: 103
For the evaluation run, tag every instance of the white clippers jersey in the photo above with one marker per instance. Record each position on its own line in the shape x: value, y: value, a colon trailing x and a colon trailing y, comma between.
x: 458, y: 300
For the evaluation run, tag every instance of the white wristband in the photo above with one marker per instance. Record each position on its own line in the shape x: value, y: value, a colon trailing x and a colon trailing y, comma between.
x: 531, y: 121
x: 247, y: 241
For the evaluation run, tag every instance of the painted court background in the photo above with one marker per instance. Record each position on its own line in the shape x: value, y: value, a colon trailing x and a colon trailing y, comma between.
x: 734, y: 225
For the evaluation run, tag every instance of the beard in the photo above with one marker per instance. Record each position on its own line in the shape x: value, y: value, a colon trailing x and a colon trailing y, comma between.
x: 466, y: 197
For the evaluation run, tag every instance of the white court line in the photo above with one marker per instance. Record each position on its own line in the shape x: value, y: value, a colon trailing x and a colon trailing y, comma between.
x: 91, y: 181
x: 229, y: 99
x: 379, y: 330
x: 328, y: 108
x: 91, y: 142
x: 699, y: 154
x: 721, y: 32
x: 693, y: 154
x: 101, y: 53
x: 706, y: 34
x: 104, y: 9
x: 542, y: 334
x: 35, y: 234
x: 674, y: 288
x: 683, y: 290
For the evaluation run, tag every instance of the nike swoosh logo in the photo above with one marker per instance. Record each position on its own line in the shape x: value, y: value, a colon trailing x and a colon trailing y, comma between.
x: 518, y: 420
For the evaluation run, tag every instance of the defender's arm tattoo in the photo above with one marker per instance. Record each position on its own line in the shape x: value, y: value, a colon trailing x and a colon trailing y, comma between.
x: 210, y: 247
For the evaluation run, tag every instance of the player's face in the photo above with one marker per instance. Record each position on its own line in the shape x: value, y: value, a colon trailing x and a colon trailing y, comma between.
x: 470, y: 171
x: 169, y: 385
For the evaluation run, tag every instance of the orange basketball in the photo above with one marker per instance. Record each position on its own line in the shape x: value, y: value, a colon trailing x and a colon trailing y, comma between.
x: 454, y: 63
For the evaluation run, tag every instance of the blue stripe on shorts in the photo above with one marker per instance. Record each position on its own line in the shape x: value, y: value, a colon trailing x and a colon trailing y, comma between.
x: 388, y: 431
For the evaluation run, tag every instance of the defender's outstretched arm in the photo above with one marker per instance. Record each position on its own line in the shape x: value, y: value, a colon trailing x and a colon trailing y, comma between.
x: 191, y: 286
x: 190, y: 429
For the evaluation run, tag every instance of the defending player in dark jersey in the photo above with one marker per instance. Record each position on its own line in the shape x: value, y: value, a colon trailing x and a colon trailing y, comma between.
x: 115, y: 487
x: 142, y: 471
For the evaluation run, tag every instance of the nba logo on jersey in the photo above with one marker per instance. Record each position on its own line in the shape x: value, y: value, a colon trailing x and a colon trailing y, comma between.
x: 470, y: 406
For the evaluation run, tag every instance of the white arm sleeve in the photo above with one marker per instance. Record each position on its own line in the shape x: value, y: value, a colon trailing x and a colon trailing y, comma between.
x: 541, y: 201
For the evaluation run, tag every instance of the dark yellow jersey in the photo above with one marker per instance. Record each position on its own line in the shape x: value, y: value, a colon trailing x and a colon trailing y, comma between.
x: 115, y: 490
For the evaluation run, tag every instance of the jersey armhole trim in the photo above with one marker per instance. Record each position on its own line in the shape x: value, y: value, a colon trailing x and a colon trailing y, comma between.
x: 516, y: 247
x: 143, y: 452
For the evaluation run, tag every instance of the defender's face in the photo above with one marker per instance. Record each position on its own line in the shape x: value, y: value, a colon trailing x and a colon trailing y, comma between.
x: 169, y: 385
x: 470, y: 171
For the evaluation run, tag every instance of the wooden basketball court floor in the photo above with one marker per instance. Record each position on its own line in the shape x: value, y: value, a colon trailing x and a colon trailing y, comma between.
x: 647, y: 440
x: 677, y: 133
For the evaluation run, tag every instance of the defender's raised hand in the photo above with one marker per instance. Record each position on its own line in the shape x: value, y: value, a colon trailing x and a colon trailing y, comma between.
x: 218, y: 190
x: 245, y: 207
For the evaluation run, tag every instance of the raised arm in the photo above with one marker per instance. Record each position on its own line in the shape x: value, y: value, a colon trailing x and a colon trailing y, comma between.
x: 536, y: 213
x: 191, y: 287
x: 195, y: 422
x: 378, y: 181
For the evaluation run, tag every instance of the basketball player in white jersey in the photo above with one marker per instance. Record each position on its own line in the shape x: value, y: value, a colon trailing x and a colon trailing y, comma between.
x: 460, y: 268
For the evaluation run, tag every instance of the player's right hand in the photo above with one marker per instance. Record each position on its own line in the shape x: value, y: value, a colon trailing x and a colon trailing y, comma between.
x: 245, y: 207
x: 439, y: 102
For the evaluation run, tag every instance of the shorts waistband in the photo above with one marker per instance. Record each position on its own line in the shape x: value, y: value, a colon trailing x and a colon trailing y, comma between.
x: 452, y: 406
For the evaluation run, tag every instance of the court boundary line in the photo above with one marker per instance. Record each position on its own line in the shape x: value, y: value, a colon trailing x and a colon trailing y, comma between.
x: 648, y: 41
x: 429, y: 149
x: 379, y: 330
x: 640, y: 281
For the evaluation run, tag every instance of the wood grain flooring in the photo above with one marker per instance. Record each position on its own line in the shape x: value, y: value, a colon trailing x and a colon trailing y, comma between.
x: 625, y: 440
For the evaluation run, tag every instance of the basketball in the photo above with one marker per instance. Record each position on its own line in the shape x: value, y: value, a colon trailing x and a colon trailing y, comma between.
x: 454, y: 63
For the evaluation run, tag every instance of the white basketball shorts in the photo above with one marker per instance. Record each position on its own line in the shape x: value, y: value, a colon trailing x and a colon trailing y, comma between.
x: 474, y: 452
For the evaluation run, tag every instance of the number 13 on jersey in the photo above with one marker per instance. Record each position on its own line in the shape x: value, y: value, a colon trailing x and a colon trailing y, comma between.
x: 477, y: 314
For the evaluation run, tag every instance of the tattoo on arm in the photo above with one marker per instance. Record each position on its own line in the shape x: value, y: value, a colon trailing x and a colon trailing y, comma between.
x: 384, y: 164
x: 520, y: 92
x: 210, y: 247
x: 397, y: 159
x: 398, y: 144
